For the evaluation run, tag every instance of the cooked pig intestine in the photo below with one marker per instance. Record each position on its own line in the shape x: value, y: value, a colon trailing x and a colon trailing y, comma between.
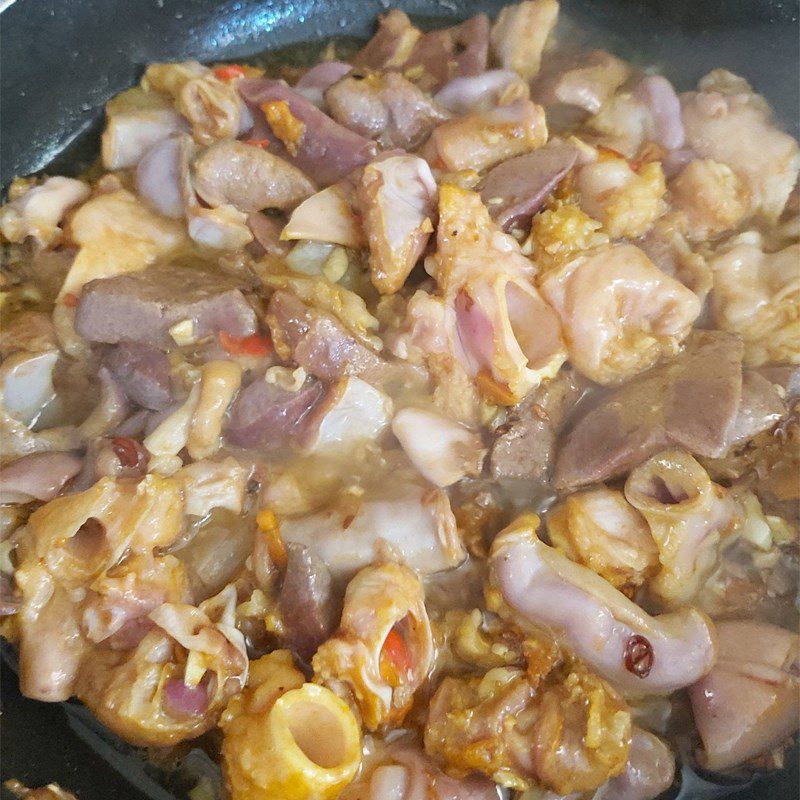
x: 310, y: 737
x: 383, y: 649
x: 619, y: 313
x: 176, y: 682
x: 411, y: 520
x: 637, y: 653
x: 602, y: 530
x: 687, y: 515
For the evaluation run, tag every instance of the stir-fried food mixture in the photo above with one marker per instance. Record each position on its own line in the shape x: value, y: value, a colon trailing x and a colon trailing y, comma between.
x: 416, y: 427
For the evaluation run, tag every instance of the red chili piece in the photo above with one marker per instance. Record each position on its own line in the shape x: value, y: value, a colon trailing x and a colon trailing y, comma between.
x: 639, y: 656
x: 127, y: 451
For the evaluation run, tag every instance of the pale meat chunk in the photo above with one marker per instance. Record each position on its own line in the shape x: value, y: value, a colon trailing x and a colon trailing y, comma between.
x: 627, y: 202
x: 480, y: 140
x: 757, y: 295
x: 725, y: 121
x: 391, y: 45
x: 397, y: 197
x: 620, y: 314
x: 117, y: 233
x: 711, y: 196
x: 385, y: 107
x: 248, y: 178
x: 38, y: 211
x: 585, y: 81
x: 519, y: 35
x: 135, y: 121
x: 495, y: 87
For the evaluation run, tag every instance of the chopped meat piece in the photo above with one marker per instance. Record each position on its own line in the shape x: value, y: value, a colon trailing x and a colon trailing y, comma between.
x: 318, y: 342
x: 39, y: 476
x: 516, y: 189
x: 619, y: 313
x: 761, y: 408
x: 502, y: 331
x: 482, y: 139
x: 135, y: 121
x: 496, y: 87
x: 725, y: 121
x: 306, y: 601
x: 397, y: 197
x: 142, y: 372
x: 519, y: 35
x: 385, y: 107
x: 39, y: 211
x: 708, y: 368
x: 158, y: 178
x: 220, y: 228
x: 785, y: 376
x: 212, y: 106
x: 249, y: 178
x: 711, y: 196
x: 440, y: 56
x: 666, y: 246
x: 443, y: 450
x: 651, y: 113
x: 266, y: 231
x: 352, y: 412
x: 117, y: 233
x: 691, y: 401
x: 585, y: 82
x: 649, y: 773
x: 141, y: 307
x: 326, y: 150
x: 524, y: 445
x: 748, y: 703
x: 26, y: 386
x: 412, y: 520
x: 658, y: 96
x: 392, y: 44
x: 756, y: 295
x: 627, y: 202
x: 266, y: 415
x: 419, y: 770
x: 328, y: 216
x: 532, y: 729
x: 314, y: 82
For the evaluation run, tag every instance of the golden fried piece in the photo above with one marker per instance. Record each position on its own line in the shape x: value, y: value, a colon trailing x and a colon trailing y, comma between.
x: 384, y: 647
x: 688, y: 516
x: 285, y: 739
x: 571, y: 734
x: 176, y: 682
x: 757, y: 295
x: 601, y: 530
x: 212, y: 106
x: 627, y: 202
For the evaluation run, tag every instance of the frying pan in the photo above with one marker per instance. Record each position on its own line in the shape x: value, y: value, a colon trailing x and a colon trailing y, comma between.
x: 60, y: 60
